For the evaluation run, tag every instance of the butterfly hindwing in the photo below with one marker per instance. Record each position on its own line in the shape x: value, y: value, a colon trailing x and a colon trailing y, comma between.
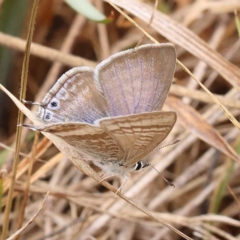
x: 74, y: 98
x: 88, y: 138
x: 139, y: 134
x: 125, y: 140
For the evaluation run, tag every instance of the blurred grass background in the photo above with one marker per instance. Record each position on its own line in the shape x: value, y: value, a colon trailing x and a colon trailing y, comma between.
x: 207, y: 181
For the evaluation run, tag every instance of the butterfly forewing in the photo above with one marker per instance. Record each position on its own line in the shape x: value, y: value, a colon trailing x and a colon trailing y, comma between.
x: 88, y: 138
x: 139, y: 134
x: 137, y: 80
x: 73, y: 98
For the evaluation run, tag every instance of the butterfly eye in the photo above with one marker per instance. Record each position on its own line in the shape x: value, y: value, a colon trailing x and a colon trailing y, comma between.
x: 140, y: 165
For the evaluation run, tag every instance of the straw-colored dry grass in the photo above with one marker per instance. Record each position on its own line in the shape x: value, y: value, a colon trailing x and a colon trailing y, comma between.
x: 203, y: 166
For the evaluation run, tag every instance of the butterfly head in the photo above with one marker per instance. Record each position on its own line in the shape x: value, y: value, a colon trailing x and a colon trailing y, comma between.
x: 139, y: 165
x: 120, y: 169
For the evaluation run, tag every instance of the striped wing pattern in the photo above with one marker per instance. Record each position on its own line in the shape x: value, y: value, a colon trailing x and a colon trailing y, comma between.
x: 113, y: 113
x: 88, y: 138
x: 139, y: 134
x: 120, y: 140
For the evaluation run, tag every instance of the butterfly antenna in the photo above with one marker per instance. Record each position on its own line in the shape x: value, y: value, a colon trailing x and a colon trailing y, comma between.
x: 173, y: 143
x: 168, y: 182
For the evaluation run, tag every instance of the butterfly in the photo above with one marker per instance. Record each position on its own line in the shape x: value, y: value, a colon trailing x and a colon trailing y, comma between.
x: 112, y: 113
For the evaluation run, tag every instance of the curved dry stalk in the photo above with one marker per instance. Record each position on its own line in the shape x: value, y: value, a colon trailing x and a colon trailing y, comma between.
x: 19, y: 120
x: 203, y: 97
x: 77, y: 159
x: 44, y: 52
x: 145, y: 187
x: 180, y: 35
x: 27, y: 184
x: 19, y: 231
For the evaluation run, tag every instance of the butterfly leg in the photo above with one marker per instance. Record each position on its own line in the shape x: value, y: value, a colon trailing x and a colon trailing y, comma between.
x: 105, y: 178
x: 32, y: 127
x: 120, y: 188
x: 31, y: 103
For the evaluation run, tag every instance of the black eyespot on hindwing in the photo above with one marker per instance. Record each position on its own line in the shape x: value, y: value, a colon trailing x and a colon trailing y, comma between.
x: 47, y: 116
x: 54, y: 104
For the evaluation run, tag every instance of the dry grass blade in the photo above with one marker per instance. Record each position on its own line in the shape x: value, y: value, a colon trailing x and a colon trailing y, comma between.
x: 44, y: 52
x: 26, y: 190
x: 234, y: 196
x: 37, y: 175
x: 193, y: 121
x: 83, y: 206
x: 20, y: 120
x: 203, y: 97
x: 23, y: 166
x: 19, y: 231
x: 183, y: 37
x: 225, y: 110
x: 232, y: 76
x: 78, y: 160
